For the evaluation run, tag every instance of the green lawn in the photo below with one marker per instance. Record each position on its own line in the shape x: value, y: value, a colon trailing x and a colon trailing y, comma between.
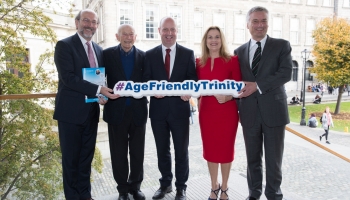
x: 340, y: 121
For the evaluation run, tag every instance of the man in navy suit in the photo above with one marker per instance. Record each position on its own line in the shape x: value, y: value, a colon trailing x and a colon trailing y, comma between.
x: 77, y: 120
x: 266, y: 65
x: 174, y: 63
x: 126, y: 116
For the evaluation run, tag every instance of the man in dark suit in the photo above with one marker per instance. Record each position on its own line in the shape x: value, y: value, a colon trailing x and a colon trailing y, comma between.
x: 77, y: 120
x: 174, y: 63
x: 266, y: 65
x: 126, y: 116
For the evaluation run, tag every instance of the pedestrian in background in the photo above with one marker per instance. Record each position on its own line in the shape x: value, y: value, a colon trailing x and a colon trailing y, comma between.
x: 312, y: 123
x: 326, y: 122
x: 193, y: 108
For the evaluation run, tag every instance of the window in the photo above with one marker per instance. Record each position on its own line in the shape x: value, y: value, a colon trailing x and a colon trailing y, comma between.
x: 294, y: 34
x: 308, y: 75
x: 219, y: 20
x: 126, y: 13
x: 278, y: 1
x: 99, y: 31
x: 176, y: 13
x: 277, y: 27
x: 295, y: 1
x: 310, y: 27
x: 327, y: 3
x: 152, y: 21
x: 295, y: 71
x: 198, y: 26
x: 311, y: 2
x: 11, y: 62
x: 346, y: 3
x: 240, y: 27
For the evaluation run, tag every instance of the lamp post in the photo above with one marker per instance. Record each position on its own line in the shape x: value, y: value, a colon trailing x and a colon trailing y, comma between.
x: 305, y: 55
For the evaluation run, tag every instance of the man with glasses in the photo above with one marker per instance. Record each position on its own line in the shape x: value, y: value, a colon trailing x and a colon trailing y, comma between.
x: 77, y: 120
x: 126, y: 116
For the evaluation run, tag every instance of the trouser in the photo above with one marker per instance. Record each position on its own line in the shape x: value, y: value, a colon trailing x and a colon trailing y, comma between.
x: 326, y: 133
x: 123, y: 138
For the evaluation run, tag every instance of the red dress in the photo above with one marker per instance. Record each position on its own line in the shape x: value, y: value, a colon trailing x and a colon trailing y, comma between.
x: 218, y: 122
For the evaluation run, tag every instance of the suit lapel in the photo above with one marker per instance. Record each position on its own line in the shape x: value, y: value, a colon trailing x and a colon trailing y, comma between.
x: 245, y: 50
x: 136, y: 63
x: 159, y: 58
x: 266, y: 51
x: 176, y: 60
x: 80, y: 48
x: 118, y: 62
x: 98, y: 54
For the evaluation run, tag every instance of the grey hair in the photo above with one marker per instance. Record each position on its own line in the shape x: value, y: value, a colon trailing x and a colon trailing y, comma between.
x: 77, y: 17
x: 256, y: 9
x: 165, y: 18
x: 124, y: 25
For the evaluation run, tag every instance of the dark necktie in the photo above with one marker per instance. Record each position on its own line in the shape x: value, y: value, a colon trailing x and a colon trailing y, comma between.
x: 91, y: 55
x: 256, y: 59
x: 167, y: 62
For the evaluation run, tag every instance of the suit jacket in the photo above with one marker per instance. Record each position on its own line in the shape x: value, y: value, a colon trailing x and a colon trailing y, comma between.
x: 183, y: 69
x: 275, y: 69
x: 114, y: 109
x: 70, y: 57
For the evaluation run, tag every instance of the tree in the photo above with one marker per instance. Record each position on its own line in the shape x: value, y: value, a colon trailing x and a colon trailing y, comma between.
x: 332, y: 55
x: 30, y: 155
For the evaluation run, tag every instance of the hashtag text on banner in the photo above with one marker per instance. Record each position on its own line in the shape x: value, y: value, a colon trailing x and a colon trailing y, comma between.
x: 192, y: 88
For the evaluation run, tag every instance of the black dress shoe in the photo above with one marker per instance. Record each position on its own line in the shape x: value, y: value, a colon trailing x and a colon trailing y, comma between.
x: 161, y: 192
x: 251, y: 198
x: 180, y: 194
x: 123, y: 196
x: 138, y: 195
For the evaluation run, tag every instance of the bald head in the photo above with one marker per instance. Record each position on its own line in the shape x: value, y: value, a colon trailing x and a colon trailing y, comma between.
x: 126, y: 36
x: 125, y: 26
x: 168, y: 31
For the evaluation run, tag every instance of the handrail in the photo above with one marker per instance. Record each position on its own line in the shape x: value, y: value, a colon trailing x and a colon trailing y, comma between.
x: 317, y: 144
x: 26, y: 96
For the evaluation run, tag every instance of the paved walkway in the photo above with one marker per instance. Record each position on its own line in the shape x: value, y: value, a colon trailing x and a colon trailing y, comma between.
x: 309, y: 172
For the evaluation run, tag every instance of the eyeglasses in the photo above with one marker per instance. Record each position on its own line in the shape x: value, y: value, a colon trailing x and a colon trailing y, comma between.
x: 87, y: 21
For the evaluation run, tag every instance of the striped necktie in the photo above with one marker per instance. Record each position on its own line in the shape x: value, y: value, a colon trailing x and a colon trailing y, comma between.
x: 256, y: 59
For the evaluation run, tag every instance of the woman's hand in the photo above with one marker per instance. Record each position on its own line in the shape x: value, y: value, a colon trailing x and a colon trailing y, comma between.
x: 223, y: 98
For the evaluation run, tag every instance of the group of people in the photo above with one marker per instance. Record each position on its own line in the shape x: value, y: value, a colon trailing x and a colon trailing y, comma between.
x: 316, y: 88
x: 263, y: 63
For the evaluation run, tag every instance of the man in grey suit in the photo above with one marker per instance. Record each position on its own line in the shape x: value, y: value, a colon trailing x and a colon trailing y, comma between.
x: 266, y: 65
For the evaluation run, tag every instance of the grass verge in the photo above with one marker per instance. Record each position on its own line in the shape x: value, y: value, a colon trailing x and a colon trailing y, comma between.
x: 340, y: 120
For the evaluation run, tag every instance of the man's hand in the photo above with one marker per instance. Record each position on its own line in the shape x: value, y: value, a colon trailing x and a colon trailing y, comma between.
x: 249, y: 88
x: 108, y: 93
x: 186, y: 97
x: 102, y: 100
x: 158, y: 96
x: 223, y: 98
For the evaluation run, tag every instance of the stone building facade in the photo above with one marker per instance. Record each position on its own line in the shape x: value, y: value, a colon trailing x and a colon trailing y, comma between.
x: 292, y: 20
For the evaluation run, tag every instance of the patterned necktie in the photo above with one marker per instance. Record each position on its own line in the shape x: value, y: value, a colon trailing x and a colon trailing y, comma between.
x: 91, y: 55
x: 256, y: 59
x: 167, y: 62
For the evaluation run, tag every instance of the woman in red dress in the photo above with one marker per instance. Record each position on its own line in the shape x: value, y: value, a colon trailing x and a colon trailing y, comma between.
x: 218, y: 115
